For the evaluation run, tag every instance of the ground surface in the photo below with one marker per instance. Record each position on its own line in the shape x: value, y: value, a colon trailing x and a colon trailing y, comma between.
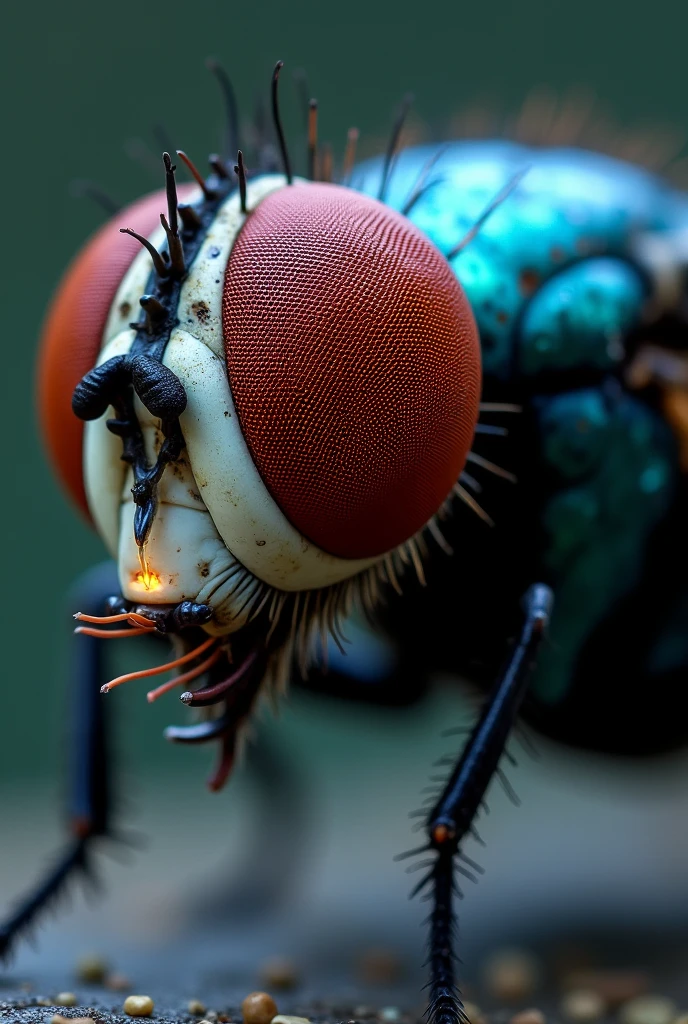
x: 594, y: 859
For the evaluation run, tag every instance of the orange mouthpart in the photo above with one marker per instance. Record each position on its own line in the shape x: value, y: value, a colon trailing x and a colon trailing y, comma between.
x: 158, y: 669
x: 185, y: 677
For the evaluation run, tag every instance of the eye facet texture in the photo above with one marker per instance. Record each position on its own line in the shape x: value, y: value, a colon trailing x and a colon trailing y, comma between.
x: 354, y: 364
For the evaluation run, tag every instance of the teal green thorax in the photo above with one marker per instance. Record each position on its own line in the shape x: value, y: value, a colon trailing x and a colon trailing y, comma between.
x: 555, y: 289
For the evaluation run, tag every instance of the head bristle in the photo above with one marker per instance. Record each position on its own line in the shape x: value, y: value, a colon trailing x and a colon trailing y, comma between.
x: 82, y: 189
x: 349, y: 155
x: 422, y: 184
x: 240, y: 172
x: 494, y: 204
x: 171, y: 226
x: 231, y: 108
x: 312, y: 139
x: 161, y: 268
x: 286, y: 163
x: 208, y: 193
x: 326, y: 163
x: 394, y: 144
x: 218, y: 165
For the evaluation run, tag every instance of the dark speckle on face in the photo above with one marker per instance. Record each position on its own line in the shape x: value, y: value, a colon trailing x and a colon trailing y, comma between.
x: 201, y: 311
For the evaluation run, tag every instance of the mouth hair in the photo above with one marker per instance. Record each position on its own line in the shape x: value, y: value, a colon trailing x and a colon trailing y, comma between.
x: 228, y: 676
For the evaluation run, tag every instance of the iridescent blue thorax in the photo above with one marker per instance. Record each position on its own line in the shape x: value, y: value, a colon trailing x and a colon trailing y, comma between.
x: 569, y: 205
x: 556, y: 288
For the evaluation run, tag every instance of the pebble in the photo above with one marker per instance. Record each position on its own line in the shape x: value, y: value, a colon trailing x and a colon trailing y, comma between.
x: 138, y: 1006
x: 380, y: 966
x: 117, y: 982
x: 648, y: 1010
x: 65, y: 999
x: 616, y: 987
x: 279, y: 973
x: 91, y: 969
x: 59, y: 1019
x: 512, y: 975
x: 211, y: 1016
x: 473, y: 1013
x: 285, y: 1018
x: 258, y: 1008
x: 582, y: 1005
x: 531, y: 1016
x: 43, y: 1002
x: 196, y: 1007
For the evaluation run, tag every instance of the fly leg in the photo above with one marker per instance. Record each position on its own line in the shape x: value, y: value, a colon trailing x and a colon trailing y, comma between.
x: 90, y: 799
x: 452, y: 816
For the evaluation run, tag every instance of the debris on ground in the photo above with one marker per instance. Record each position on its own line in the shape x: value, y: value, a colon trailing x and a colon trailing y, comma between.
x: 259, y: 1008
x: 614, y: 986
x: 91, y: 969
x: 530, y: 1016
x: 138, y: 1006
x: 512, y: 975
x: 650, y: 1009
x: 59, y: 1019
x: 582, y: 1006
x: 280, y: 973
x: 66, y: 999
x: 380, y: 967
x: 517, y: 988
x: 117, y: 982
x: 473, y: 1013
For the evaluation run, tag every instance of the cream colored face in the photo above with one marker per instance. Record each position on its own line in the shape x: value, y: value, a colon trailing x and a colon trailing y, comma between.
x: 218, y: 537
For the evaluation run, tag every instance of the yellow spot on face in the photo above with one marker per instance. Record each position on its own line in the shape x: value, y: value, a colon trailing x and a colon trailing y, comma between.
x: 147, y: 579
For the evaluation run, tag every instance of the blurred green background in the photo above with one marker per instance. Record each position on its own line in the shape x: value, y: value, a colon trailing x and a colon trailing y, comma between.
x: 80, y: 80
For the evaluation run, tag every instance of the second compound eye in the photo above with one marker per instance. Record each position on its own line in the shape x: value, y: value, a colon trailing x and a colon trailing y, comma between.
x: 354, y: 365
x: 74, y: 329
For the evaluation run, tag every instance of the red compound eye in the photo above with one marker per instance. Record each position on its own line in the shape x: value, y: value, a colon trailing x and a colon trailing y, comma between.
x: 73, y: 333
x: 354, y: 364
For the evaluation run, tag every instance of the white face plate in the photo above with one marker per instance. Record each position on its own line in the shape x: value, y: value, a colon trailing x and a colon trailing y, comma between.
x: 247, y: 518
x: 214, y: 508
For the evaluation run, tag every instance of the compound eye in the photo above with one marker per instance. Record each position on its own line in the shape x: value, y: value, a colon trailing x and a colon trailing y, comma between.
x: 73, y: 333
x: 354, y: 364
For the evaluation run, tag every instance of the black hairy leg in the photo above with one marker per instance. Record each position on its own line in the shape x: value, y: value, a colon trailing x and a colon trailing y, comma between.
x: 451, y: 819
x: 90, y: 797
